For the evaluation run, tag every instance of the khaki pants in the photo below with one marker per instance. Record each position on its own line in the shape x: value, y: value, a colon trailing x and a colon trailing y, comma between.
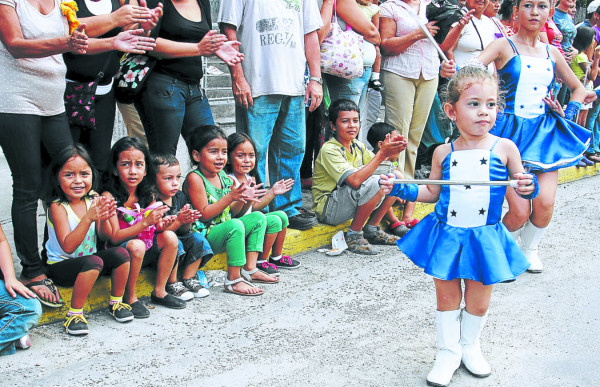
x: 132, y: 121
x: 407, y: 105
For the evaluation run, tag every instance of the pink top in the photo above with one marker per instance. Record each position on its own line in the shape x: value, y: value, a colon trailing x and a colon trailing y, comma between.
x: 421, y: 57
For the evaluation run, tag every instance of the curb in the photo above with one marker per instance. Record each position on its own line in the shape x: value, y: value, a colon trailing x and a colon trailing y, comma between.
x: 295, y: 242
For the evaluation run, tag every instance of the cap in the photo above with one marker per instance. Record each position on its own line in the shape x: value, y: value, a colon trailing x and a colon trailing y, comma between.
x: 593, y: 6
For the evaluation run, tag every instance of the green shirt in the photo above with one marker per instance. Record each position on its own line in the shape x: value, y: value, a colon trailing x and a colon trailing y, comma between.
x: 333, y: 166
x: 214, y: 194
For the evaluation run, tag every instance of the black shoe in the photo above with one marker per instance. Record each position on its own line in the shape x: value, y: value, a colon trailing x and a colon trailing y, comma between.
x: 285, y: 262
x: 121, y: 312
x: 168, y: 301
x: 303, y: 221
x: 267, y: 267
x: 375, y: 84
x: 76, y: 325
x: 139, y: 310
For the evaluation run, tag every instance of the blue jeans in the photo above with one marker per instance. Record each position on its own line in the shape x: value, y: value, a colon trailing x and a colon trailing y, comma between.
x: 593, y: 124
x: 276, y: 123
x: 169, y: 107
x: 192, y: 247
x: 17, y: 316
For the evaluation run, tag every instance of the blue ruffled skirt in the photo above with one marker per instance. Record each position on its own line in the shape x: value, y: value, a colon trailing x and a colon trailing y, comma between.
x: 488, y: 254
x: 547, y: 142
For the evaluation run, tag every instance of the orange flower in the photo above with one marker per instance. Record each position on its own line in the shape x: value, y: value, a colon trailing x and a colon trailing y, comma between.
x: 69, y: 9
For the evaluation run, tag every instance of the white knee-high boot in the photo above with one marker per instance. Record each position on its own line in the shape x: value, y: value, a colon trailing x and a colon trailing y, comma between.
x: 517, y: 233
x: 447, y: 360
x: 470, y: 332
x: 530, y: 240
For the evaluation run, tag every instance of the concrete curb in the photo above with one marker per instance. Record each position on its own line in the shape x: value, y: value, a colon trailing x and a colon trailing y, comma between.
x: 296, y: 242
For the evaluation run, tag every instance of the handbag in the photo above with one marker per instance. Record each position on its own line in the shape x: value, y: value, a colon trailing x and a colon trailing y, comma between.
x: 341, y: 51
x: 80, y: 101
x: 132, y: 76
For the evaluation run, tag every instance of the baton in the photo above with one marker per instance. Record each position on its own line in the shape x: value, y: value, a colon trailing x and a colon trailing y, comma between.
x: 511, y: 183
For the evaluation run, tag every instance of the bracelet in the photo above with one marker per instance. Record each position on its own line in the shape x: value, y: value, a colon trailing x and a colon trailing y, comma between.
x: 405, y: 191
x: 572, y: 110
x: 535, y: 192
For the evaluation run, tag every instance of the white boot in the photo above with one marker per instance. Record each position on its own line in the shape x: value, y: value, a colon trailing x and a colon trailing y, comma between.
x: 517, y: 233
x: 530, y: 240
x: 470, y: 331
x: 447, y: 360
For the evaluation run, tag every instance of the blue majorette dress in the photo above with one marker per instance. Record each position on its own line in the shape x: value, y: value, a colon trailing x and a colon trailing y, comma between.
x: 546, y: 140
x: 463, y: 237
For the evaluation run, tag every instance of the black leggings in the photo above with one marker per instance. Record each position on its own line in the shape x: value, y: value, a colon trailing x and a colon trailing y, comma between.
x: 65, y: 273
x: 22, y: 137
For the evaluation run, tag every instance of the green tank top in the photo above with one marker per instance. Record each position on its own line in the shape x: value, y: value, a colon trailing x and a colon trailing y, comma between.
x: 214, y: 194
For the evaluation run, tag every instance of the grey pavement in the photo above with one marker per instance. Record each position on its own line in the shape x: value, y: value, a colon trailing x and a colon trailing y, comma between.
x: 346, y: 321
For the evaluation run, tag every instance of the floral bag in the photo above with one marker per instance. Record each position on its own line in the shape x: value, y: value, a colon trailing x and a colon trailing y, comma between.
x: 132, y: 76
x: 341, y: 51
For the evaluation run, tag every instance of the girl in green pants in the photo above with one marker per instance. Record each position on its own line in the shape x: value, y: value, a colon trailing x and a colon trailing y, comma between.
x: 241, y: 167
x: 211, y: 192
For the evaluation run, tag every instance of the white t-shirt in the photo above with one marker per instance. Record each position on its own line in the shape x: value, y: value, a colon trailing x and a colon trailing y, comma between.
x: 34, y: 85
x: 272, y: 36
x: 469, y: 44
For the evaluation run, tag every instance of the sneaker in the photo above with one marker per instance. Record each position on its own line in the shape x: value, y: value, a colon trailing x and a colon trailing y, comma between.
x: 23, y: 342
x: 302, y: 222
x: 286, y: 262
x: 375, y: 84
x: 168, y: 301
x: 139, y: 310
x: 357, y: 244
x: 177, y: 289
x: 268, y: 267
x: 195, y: 287
x: 121, y: 312
x: 76, y: 325
x: 400, y: 230
x: 380, y: 237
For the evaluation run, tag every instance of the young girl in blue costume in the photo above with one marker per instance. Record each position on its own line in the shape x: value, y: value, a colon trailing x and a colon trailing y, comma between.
x: 547, y: 141
x: 463, y: 239
x: 75, y: 215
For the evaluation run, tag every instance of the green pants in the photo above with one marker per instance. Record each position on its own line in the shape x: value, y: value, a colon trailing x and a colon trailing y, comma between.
x: 237, y: 236
x: 276, y: 221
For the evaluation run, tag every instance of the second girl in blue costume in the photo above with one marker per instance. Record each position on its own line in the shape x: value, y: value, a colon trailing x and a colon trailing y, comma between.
x: 547, y: 140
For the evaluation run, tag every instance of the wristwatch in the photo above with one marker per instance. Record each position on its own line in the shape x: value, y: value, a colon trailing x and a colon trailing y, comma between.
x: 316, y: 79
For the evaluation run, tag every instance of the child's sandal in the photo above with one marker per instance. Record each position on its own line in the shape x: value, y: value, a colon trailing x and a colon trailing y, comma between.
x: 247, y: 275
x: 229, y: 287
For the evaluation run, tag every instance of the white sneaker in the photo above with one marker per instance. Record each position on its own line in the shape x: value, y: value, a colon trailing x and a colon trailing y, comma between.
x: 196, y: 288
x: 23, y: 342
x: 178, y: 290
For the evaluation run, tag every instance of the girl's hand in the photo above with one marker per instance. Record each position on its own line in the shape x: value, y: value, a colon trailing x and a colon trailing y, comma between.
x: 77, y: 43
x: 237, y: 193
x: 253, y: 192
x: 386, y: 183
x: 131, y: 14
x: 447, y: 69
x: 155, y: 216
x: 165, y: 222
x: 211, y: 42
x: 282, y: 186
x: 131, y: 41
x: 229, y: 53
x: 187, y: 215
x: 156, y: 14
x: 525, y: 184
x: 13, y: 286
x: 554, y: 105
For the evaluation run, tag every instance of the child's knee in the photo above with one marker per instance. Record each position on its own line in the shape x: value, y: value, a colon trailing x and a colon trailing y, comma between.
x: 258, y: 219
x: 121, y: 256
x: 92, y: 262
x: 236, y: 228
x: 136, y: 249
x: 168, y: 239
x: 274, y: 224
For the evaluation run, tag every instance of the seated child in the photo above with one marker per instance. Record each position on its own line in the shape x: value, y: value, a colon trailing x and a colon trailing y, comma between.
x: 19, y: 308
x: 376, y: 136
x: 194, y: 250
x: 241, y: 167
x: 343, y: 183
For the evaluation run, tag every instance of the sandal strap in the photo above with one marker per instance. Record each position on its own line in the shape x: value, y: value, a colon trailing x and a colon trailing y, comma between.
x: 230, y: 283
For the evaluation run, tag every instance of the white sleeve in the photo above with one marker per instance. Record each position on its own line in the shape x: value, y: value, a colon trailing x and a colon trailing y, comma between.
x: 311, y: 16
x: 230, y: 12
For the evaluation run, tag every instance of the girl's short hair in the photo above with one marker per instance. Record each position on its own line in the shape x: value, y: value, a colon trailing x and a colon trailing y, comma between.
x: 233, y: 141
x: 52, y: 190
x: 200, y: 138
x: 377, y: 132
x: 112, y: 182
x: 464, y: 78
x: 584, y: 38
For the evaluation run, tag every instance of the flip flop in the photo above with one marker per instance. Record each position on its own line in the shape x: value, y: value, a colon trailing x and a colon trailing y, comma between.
x: 47, y: 282
x: 229, y: 287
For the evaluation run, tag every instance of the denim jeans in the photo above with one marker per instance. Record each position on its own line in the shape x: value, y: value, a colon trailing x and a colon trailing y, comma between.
x: 276, y: 123
x: 17, y: 316
x: 169, y: 107
x: 593, y: 124
x: 356, y: 91
x: 192, y: 247
x: 22, y: 137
